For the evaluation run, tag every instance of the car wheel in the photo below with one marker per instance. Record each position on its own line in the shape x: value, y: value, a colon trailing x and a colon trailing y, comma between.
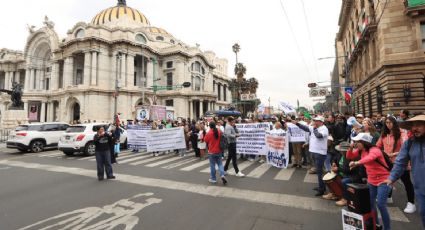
x: 90, y: 149
x: 37, y: 146
x: 68, y: 153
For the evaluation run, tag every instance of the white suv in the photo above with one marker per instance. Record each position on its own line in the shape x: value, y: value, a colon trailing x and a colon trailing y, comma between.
x: 79, y: 138
x: 36, y: 137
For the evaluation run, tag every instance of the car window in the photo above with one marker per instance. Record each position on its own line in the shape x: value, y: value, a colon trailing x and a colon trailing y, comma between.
x: 51, y: 127
x: 75, y: 129
x: 34, y: 127
x: 63, y: 127
x: 97, y: 127
x: 21, y: 128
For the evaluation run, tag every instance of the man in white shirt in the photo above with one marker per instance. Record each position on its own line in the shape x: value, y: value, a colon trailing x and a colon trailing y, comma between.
x: 318, y: 147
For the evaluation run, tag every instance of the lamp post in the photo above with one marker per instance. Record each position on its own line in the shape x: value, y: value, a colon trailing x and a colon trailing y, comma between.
x: 117, y: 83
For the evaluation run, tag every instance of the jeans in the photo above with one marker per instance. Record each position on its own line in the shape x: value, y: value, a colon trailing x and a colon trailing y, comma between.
x: 103, y: 162
x: 216, y: 159
x: 319, y: 161
x: 420, y: 200
x: 328, y: 162
x: 345, y: 181
x: 380, y: 194
x: 232, y: 157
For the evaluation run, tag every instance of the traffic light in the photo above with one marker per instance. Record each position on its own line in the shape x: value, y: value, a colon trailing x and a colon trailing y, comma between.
x: 312, y: 85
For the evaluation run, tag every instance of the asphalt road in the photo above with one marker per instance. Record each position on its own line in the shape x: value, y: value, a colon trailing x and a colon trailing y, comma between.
x: 52, y: 191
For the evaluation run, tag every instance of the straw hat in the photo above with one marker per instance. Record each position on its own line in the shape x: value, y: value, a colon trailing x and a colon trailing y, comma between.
x: 408, y: 124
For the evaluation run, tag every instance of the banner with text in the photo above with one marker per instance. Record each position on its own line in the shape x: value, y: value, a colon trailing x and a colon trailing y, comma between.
x: 158, y: 112
x: 295, y: 133
x: 277, y: 148
x: 136, y: 136
x: 252, y: 138
x: 165, y: 139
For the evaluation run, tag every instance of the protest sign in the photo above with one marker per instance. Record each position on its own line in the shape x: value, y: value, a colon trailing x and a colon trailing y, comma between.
x: 157, y: 112
x: 136, y: 136
x: 277, y: 147
x: 295, y: 134
x: 165, y: 139
x: 352, y: 221
x: 143, y: 113
x: 286, y: 107
x: 252, y: 138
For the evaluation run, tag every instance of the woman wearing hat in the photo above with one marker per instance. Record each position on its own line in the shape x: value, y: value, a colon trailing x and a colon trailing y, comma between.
x: 373, y: 160
x: 391, y: 139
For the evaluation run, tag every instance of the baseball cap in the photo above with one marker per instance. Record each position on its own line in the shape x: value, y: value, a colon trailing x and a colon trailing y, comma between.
x: 319, y: 118
x: 360, y: 115
x: 366, y: 137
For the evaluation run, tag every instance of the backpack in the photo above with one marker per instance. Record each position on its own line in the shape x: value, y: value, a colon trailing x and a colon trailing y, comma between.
x: 223, y: 142
x: 387, y: 161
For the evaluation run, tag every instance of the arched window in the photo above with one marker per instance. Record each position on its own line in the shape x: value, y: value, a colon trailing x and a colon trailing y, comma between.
x: 196, y: 67
x: 141, y: 39
x: 80, y: 33
x: 197, y: 84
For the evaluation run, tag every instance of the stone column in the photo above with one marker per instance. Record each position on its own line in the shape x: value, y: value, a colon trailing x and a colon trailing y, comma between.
x: 7, y: 80
x: 149, y: 73
x: 43, y: 112
x: 87, y: 68
x: 27, y: 79
x: 123, y: 75
x: 94, y: 68
x: 54, y: 77
x: 68, y: 72
x: 190, y: 109
x: 201, y: 108
x: 130, y: 71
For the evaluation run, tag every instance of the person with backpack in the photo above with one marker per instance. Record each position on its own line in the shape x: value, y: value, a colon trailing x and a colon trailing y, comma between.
x: 377, y: 171
x: 215, y: 153
x: 413, y: 150
x: 390, y: 142
x: 231, y: 135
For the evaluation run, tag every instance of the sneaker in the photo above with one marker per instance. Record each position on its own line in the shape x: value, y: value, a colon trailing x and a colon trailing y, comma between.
x: 212, y: 181
x: 342, y: 202
x: 320, y: 193
x: 111, y: 178
x: 410, y: 208
x: 329, y: 196
x: 261, y: 161
x: 224, y: 180
x: 390, y: 200
x: 312, y: 171
x: 251, y: 159
x: 240, y: 174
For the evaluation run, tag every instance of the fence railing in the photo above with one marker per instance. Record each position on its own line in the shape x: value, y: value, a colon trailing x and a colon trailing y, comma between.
x: 4, y: 134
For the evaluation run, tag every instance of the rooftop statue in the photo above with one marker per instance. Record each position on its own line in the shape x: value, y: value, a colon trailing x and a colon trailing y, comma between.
x: 122, y: 2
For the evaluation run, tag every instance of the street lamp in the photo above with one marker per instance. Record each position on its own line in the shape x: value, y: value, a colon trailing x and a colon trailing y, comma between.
x: 117, y: 83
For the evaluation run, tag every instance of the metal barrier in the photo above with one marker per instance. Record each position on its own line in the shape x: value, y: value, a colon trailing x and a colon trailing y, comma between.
x: 4, y: 134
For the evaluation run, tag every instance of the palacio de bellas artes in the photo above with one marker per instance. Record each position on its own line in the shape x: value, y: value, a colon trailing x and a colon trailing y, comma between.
x: 119, y: 54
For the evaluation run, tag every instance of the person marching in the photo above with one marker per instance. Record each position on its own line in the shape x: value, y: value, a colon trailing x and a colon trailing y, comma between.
x: 231, y: 135
x: 102, y: 141
x: 212, y: 138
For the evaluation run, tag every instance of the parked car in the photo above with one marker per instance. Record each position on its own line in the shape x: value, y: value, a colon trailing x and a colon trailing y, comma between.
x: 79, y: 138
x: 36, y: 137
x: 223, y: 113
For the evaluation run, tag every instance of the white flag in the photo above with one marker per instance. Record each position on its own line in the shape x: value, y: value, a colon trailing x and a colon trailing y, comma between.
x: 286, y: 107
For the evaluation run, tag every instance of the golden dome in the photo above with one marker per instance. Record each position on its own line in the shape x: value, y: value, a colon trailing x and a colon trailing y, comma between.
x: 121, y: 15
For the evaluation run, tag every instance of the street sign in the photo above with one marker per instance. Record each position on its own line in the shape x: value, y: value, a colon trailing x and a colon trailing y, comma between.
x: 319, y: 92
x: 312, y: 85
x: 186, y: 84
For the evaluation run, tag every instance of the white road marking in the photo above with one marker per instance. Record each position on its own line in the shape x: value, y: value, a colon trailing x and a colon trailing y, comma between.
x: 180, y: 163
x: 196, y: 165
x: 149, y: 160
x: 121, y: 213
x: 310, y: 178
x: 208, y: 170
x: 134, y: 159
x: 83, y: 158
x: 55, y: 154
x: 259, y: 171
x: 283, y: 200
x: 284, y: 174
x: 245, y: 165
x: 173, y: 158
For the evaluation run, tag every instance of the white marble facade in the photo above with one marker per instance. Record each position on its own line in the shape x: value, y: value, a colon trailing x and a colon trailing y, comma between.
x: 74, y: 78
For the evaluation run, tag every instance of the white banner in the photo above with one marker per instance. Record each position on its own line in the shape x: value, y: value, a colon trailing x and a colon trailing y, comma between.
x: 166, y: 139
x: 252, y: 138
x: 295, y: 133
x: 136, y: 136
x: 277, y: 148
x: 352, y: 221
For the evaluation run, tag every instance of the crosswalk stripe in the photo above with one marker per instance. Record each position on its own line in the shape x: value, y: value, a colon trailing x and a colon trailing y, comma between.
x: 50, y: 154
x: 245, y: 165
x: 284, y: 174
x: 56, y: 155
x: 180, y: 163
x: 194, y: 166
x: 310, y: 178
x: 130, y: 156
x: 83, y: 158
x: 149, y: 160
x: 259, y: 171
x: 174, y: 158
x: 93, y: 158
x: 134, y: 159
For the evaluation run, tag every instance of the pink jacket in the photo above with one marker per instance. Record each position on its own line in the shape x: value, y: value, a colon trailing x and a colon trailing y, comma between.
x: 376, y: 173
x: 388, y: 143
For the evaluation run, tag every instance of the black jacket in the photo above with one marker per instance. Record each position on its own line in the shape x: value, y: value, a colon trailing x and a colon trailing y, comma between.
x: 102, y: 143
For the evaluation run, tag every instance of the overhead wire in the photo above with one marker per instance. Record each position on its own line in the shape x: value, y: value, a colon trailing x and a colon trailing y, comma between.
x: 295, y: 38
x: 310, y: 39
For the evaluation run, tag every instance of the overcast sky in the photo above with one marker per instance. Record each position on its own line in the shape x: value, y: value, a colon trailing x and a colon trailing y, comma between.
x: 268, y: 47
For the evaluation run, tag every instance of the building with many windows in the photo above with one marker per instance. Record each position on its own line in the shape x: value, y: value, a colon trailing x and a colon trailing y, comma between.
x: 380, y: 49
x: 76, y: 77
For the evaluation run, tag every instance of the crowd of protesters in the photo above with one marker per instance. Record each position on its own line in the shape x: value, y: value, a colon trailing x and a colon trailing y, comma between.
x: 356, y: 149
